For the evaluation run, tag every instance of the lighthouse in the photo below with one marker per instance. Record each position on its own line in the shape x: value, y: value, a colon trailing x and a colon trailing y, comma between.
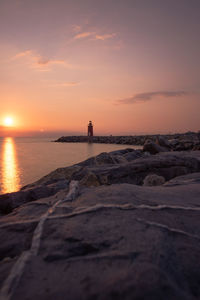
x: 90, y: 129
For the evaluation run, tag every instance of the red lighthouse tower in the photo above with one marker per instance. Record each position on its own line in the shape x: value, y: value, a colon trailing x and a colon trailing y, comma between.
x: 90, y: 129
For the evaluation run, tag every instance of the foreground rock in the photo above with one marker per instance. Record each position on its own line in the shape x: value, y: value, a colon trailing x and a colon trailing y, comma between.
x: 122, y: 166
x: 129, y: 166
x: 113, y: 241
x: 8, y: 202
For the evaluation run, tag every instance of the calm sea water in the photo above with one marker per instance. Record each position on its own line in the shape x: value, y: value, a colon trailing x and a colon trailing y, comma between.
x: 25, y: 160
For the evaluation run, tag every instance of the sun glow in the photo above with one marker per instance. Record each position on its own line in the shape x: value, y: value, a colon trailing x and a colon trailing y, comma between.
x: 10, y: 172
x: 8, y: 121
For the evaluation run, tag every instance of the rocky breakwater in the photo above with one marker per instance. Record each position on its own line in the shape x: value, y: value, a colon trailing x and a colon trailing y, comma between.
x: 176, y: 142
x: 121, y: 225
x: 124, y: 140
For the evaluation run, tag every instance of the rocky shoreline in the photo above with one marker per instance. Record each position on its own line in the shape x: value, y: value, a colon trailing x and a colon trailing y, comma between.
x: 121, y: 225
x: 178, y: 141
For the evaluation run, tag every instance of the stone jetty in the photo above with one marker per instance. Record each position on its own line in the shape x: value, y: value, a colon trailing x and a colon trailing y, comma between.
x: 176, y: 142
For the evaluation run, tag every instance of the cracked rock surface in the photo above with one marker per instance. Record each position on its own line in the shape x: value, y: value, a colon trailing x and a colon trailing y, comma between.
x: 114, y: 240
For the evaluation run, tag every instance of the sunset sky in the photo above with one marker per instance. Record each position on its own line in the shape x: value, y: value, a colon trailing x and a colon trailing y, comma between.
x: 130, y: 66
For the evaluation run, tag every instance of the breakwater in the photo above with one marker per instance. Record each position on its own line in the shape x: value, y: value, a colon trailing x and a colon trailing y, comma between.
x: 129, y: 140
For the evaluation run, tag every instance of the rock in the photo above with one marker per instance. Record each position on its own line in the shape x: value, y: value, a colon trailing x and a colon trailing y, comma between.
x: 184, y: 180
x: 173, y: 142
x: 101, y: 159
x: 153, y: 148
x: 90, y: 179
x: 130, y: 156
x: 153, y: 180
x: 163, y: 142
x: 10, y: 201
x: 114, y: 157
x: 196, y: 148
x: 114, y: 242
x: 109, y: 168
x: 120, y: 159
x: 168, y: 165
x: 55, y: 176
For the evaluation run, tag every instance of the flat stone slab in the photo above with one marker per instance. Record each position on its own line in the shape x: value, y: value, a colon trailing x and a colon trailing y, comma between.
x: 123, y: 241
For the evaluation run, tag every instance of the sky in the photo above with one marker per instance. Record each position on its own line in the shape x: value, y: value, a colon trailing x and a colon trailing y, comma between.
x: 130, y: 66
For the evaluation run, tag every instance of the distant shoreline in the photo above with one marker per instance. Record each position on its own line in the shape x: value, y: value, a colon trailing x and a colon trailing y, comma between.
x: 126, y: 140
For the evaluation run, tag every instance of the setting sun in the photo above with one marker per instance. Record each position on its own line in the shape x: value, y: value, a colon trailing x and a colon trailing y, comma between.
x: 8, y: 121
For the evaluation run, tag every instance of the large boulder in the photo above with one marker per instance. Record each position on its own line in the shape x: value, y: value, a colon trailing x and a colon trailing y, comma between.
x: 10, y: 201
x: 112, y: 242
x: 163, y: 142
x: 125, y: 166
x: 153, y: 148
x: 173, y: 143
x: 193, y: 178
x: 168, y: 165
x: 153, y: 180
x: 114, y: 157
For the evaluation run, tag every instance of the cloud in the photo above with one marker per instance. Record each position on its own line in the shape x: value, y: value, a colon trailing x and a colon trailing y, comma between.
x: 142, y: 97
x: 92, y: 35
x: 83, y: 35
x: 45, y: 61
x: 36, y: 61
x: 76, y: 28
x: 104, y: 37
x: 23, y: 54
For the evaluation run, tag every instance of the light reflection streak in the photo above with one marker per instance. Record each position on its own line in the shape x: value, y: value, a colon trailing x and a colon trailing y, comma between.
x: 10, y: 171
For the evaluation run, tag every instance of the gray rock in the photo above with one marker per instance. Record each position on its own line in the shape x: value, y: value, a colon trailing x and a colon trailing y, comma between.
x: 121, y: 241
x: 153, y: 180
x: 193, y: 137
x: 166, y: 164
x: 108, y: 168
x: 153, y: 148
x: 115, y: 240
x: 8, y: 202
x: 163, y: 142
x: 184, y: 180
x: 114, y: 157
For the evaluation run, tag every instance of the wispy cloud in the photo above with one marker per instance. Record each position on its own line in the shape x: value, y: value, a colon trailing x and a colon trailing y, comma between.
x: 104, y: 37
x: 45, y: 61
x: 83, y: 35
x: 22, y: 54
x: 42, y: 61
x: 141, y: 97
x: 77, y: 28
x: 36, y: 61
x: 91, y: 35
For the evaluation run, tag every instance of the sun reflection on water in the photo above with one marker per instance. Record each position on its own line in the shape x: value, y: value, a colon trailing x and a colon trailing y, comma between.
x: 10, y: 171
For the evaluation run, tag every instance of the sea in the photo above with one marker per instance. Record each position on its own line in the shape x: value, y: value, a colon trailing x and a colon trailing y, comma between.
x: 25, y: 160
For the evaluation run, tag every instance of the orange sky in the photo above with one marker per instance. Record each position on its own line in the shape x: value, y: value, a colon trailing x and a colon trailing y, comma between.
x: 129, y: 67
